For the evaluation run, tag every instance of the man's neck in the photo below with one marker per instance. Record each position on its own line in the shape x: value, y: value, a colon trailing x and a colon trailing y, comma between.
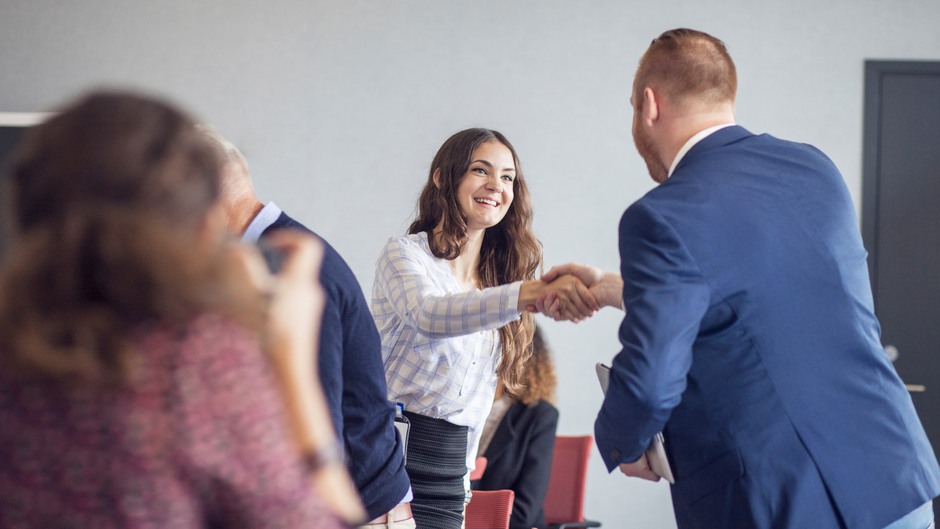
x: 242, y: 212
x: 687, y: 126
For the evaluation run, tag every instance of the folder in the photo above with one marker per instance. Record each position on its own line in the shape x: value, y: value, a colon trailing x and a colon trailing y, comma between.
x: 656, y: 453
x: 403, y: 425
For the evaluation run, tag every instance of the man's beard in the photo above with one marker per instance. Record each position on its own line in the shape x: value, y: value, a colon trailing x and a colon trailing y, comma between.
x: 646, y: 148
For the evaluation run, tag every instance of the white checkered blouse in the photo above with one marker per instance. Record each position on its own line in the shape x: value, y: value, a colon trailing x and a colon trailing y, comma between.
x: 440, y: 345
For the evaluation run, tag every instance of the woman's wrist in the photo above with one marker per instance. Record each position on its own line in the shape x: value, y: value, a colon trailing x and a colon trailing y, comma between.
x: 321, y: 457
x: 529, y: 293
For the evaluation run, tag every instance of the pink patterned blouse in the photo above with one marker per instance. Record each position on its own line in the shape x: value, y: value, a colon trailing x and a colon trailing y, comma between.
x: 198, y: 440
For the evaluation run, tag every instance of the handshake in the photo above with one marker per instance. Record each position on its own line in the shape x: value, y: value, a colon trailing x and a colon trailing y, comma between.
x: 572, y: 292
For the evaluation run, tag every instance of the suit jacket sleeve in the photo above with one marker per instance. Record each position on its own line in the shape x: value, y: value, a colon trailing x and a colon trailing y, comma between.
x: 665, y: 299
x: 404, y: 275
x: 353, y: 380
x: 532, y: 484
x: 352, y: 373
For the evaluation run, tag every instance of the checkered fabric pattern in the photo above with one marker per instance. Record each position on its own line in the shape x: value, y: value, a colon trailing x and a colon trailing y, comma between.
x: 440, y: 345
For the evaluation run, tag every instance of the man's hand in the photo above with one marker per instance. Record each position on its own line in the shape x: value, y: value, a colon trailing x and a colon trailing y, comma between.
x: 572, y: 299
x: 639, y: 469
x: 606, y: 287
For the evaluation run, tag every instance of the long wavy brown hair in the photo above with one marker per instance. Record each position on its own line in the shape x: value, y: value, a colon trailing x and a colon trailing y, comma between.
x: 510, y: 250
x: 540, y: 380
x: 110, y: 205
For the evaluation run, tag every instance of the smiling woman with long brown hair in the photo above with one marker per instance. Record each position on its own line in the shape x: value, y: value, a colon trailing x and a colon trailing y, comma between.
x: 451, y: 301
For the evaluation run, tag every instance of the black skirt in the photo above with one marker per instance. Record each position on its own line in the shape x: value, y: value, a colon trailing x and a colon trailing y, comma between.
x: 436, y: 464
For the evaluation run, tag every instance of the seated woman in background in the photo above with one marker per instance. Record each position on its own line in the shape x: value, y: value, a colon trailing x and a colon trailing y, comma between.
x: 519, y: 439
x: 134, y: 391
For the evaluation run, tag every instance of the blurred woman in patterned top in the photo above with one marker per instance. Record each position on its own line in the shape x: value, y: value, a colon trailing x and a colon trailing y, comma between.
x: 133, y: 388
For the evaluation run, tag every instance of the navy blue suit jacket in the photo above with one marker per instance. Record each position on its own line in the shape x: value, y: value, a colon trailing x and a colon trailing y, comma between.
x: 750, y: 339
x: 353, y: 378
x: 520, y: 458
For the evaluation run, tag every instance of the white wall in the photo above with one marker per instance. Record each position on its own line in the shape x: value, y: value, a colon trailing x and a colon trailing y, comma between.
x: 340, y: 106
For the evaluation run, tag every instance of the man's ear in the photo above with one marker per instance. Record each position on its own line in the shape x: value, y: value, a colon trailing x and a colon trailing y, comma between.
x: 650, y: 106
x: 437, y: 178
x: 215, y: 225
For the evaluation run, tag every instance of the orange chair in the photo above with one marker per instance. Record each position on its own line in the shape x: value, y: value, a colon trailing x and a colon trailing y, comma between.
x: 489, y: 509
x: 564, y: 501
x: 478, y: 471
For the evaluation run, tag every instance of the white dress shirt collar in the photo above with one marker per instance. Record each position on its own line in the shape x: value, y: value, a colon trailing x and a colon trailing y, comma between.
x: 264, y: 219
x: 701, y: 135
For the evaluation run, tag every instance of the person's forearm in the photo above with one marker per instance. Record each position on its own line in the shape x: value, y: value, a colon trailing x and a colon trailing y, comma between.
x: 609, y: 291
x: 315, y: 436
x: 446, y: 315
x: 306, y: 409
x: 310, y: 422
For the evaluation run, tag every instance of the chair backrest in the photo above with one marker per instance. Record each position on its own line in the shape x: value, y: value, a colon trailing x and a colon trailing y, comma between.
x: 489, y: 509
x: 478, y: 471
x: 564, y: 501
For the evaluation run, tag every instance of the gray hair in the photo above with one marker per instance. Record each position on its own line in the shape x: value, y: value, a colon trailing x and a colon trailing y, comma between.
x: 233, y: 184
x: 228, y: 150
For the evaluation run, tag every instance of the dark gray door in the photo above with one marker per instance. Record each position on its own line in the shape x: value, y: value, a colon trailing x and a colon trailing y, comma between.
x: 901, y: 221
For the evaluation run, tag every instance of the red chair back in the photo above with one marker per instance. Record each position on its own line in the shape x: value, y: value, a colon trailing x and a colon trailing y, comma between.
x: 490, y: 509
x: 564, y: 501
x: 478, y: 471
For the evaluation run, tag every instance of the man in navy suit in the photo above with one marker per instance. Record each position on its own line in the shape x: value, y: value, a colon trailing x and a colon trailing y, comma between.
x: 750, y: 337
x: 349, y: 360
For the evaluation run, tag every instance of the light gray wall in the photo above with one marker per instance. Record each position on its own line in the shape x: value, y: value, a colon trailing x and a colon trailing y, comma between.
x: 340, y: 106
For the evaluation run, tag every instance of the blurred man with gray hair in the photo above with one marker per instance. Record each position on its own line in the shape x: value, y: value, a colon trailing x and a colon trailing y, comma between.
x: 350, y: 363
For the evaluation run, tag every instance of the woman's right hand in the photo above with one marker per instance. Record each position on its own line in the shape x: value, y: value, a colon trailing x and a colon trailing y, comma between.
x: 573, y: 300
x: 296, y: 301
x: 569, y: 298
x: 606, y: 287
